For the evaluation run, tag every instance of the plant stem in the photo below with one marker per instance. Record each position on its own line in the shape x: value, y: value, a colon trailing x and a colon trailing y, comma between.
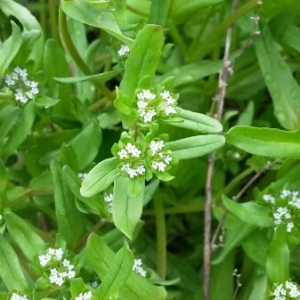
x: 136, y: 11
x: 201, y: 49
x: 53, y: 19
x: 43, y: 15
x: 223, y: 77
x: 160, y: 236
x: 69, y: 45
x: 182, y: 209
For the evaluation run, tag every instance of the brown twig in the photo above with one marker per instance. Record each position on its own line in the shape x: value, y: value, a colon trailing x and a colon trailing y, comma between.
x: 223, y: 77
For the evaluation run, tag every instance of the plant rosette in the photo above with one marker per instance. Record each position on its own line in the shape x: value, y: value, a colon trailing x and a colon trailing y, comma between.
x: 154, y: 106
x: 144, y: 158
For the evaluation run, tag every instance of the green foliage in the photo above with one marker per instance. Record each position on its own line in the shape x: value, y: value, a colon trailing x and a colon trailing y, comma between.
x: 109, y: 114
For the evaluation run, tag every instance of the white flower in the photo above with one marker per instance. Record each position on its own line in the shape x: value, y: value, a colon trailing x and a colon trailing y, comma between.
x: 142, y: 104
x: 133, y: 172
x: 44, y: 259
x: 269, y: 198
x: 124, y: 49
x: 167, y: 159
x: 149, y: 115
x: 156, y: 146
x: 146, y: 95
x: 85, y: 296
x: 15, y: 296
x: 141, y: 169
x: 289, y: 226
x: 286, y: 290
x: 82, y: 175
x: 170, y: 110
x: 137, y: 267
x: 165, y: 95
x: 159, y: 166
x: 122, y: 153
x: 108, y: 198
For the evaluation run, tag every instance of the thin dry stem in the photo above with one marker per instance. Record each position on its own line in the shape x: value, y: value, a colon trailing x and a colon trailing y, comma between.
x: 223, y: 77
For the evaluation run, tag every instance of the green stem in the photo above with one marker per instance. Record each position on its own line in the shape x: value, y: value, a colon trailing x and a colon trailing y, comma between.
x: 183, y: 209
x: 235, y: 181
x: 201, y: 49
x: 43, y: 15
x: 53, y: 19
x: 69, y: 45
x: 177, y: 38
x: 136, y: 11
x: 160, y: 236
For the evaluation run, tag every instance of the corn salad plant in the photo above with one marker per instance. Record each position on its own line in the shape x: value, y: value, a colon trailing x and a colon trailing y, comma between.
x: 149, y: 150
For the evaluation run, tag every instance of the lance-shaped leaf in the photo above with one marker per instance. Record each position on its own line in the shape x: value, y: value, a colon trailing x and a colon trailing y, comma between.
x: 88, y: 14
x: 250, y: 212
x: 23, y: 235
x: 127, y: 210
x: 195, y: 121
x: 143, y: 59
x: 103, y: 77
x: 8, y: 117
x: 29, y: 23
x: 196, y: 146
x: 3, y: 183
x: 278, y: 257
x: 100, y: 177
x: 281, y: 84
x: 265, y: 141
x: 159, y: 12
x: 10, y: 48
x: 70, y: 221
x: 119, y: 271
x: 21, y: 131
x: 100, y: 257
x: 11, y: 271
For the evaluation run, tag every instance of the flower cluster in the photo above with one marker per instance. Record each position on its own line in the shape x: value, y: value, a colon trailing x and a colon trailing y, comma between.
x: 84, y: 296
x: 124, y: 49
x: 131, y: 156
x: 285, y: 207
x: 149, y: 105
x: 15, y: 296
x: 159, y: 158
x: 285, y: 291
x: 60, y: 269
x: 108, y: 198
x: 24, y: 89
x: 137, y: 267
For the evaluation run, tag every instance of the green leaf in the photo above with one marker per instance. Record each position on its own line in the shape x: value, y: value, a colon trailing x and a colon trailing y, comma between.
x: 265, y: 141
x: 45, y: 102
x: 100, y: 177
x: 11, y: 271
x: 250, y: 212
x: 235, y: 234
x: 195, y: 121
x: 159, y: 12
x: 88, y: 14
x: 23, y: 235
x: 99, y: 258
x: 281, y: 84
x: 143, y: 58
x: 77, y: 285
x: 3, y: 184
x: 182, y: 10
x: 278, y: 257
x: 103, y: 77
x: 124, y: 103
x: 8, y: 118
x: 87, y: 143
x: 55, y: 65
x: 127, y: 210
x: 70, y: 221
x: 21, y: 131
x: 196, y: 146
x: 260, y: 287
x: 10, y: 48
x: 119, y: 271
x: 291, y: 37
x: 136, y: 186
x: 29, y: 23
x: 74, y: 183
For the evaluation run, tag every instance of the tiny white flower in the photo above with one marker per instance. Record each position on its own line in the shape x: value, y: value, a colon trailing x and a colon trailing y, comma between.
x: 167, y: 159
x: 124, y: 49
x: 137, y: 267
x: 170, y: 110
x: 165, y: 95
x: 122, y: 153
x: 148, y: 117
x: 108, y: 198
x: 44, y: 259
x: 141, y: 169
x: 82, y: 175
x: 269, y: 198
x: 146, y: 95
x: 142, y: 104
x: 289, y: 226
x: 15, y: 296
x: 84, y: 296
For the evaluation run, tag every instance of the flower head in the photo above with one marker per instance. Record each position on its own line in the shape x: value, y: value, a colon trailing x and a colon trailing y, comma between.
x: 124, y: 49
x: 137, y: 267
x: 24, y: 89
x: 286, y: 290
x: 84, y: 296
x: 15, y: 296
